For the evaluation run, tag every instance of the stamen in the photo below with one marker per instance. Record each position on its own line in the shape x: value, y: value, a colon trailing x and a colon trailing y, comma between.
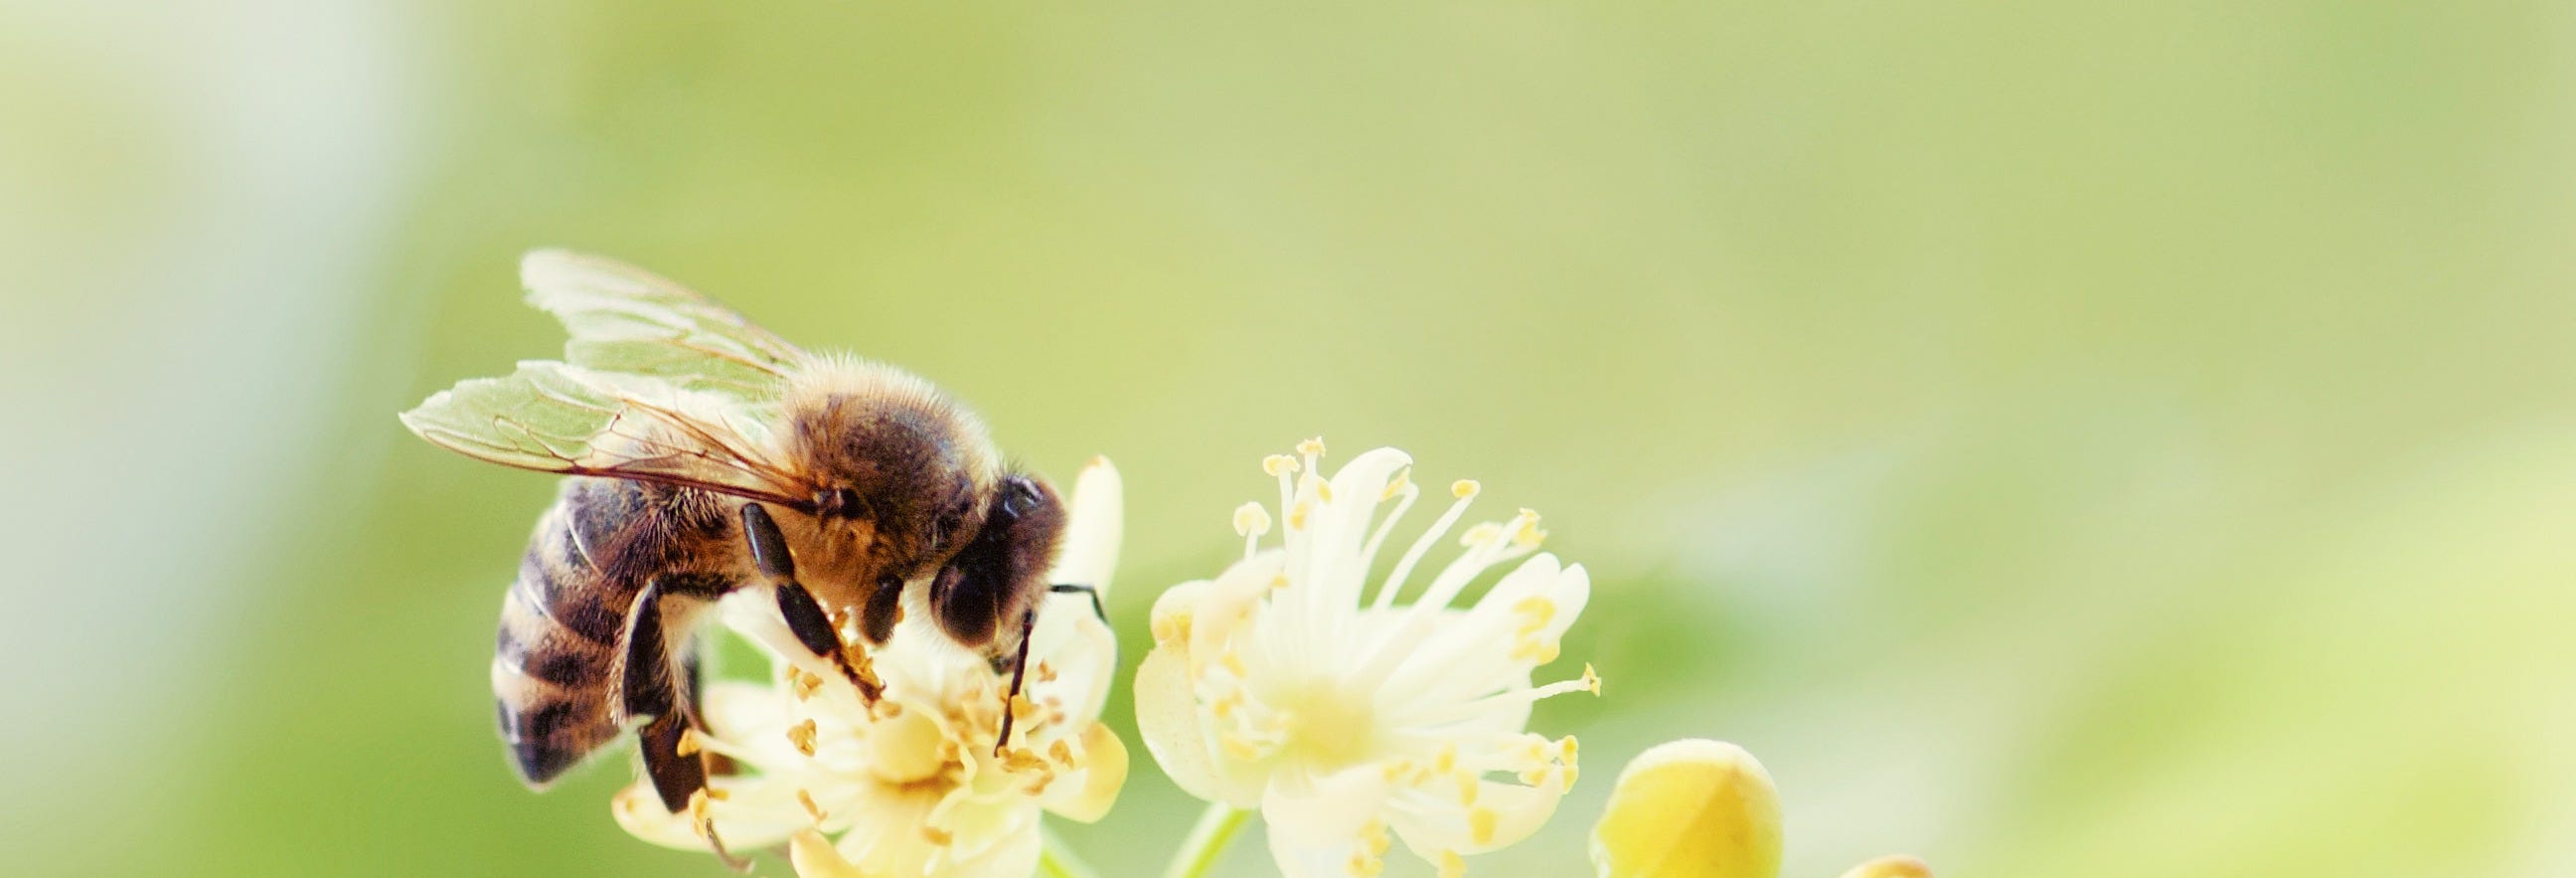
x: 1589, y: 682
x: 1527, y: 535
x: 939, y: 837
x: 802, y: 735
x: 1279, y: 465
x: 1250, y: 522
x: 1452, y: 865
x: 1403, y: 503
x: 1538, y: 610
x: 688, y: 744
x: 1481, y: 823
x: 811, y: 810
x: 1465, y: 491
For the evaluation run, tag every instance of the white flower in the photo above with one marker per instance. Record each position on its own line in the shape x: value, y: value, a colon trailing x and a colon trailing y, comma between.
x: 912, y: 787
x: 1346, y: 716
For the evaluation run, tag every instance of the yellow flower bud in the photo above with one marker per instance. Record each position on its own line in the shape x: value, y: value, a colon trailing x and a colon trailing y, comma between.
x: 1690, y: 809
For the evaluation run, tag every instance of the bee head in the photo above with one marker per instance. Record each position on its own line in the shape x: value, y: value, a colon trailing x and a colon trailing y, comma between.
x: 982, y: 594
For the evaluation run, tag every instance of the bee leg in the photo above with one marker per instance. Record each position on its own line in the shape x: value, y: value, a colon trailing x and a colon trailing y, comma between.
x: 884, y: 609
x: 1086, y: 591
x: 804, y: 615
x: 650, y: 685
x: 1019, y: 675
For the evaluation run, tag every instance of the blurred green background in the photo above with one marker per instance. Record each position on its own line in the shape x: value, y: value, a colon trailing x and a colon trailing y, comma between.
x: 2102, y: 439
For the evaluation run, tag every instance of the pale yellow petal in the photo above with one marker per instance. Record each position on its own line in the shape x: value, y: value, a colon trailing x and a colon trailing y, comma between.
x: 1104, y: 772
x: 1690, y: 809
x: 813, y: 857
x: 639, y: 811
x: 1325, y: 810
x: 1891, y: 867
x: 1167, y: 718
x: 1092, y: 528
x: 1014, y: 856
x: 1503, y: 815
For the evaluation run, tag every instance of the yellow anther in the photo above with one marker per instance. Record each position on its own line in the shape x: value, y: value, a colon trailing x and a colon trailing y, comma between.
x: 699, y: 816
x: 1484, y: 532
x: 1046, y: 672
x: 1591, y: 680
x: 1403, y: 480
x: 1538, y: 610
x: 688, y: 745
x: 1464, y: 488
x: 1279, y: 464
x: 1364, y: 866
x: 1038, y: 787
x: 802, y: 735
x: 1019, y: 759
x: 1251, y: 520
x: 1324, y: 491
x: 803, y: 684
x: 1481, y: 823
x: 938, y: 837
x: 1376, y: 838
x: 1297, y: 514
x: 1233, y: 662
x: 1172, y: 630
x: 1446, y: 761
x: 1311, y: 447
x: 1566, y: 748
x: 1468, y: 787
x: 811, y: 810
x: 1452, y: 865
x: 1570, y: 774
x: 1279, y: 579
x: 1240, y: 747
x: 1061, y: 752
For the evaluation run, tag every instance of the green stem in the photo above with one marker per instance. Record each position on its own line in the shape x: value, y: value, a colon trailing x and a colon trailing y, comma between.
x: 1198, y: 853
x: 1057, y: 859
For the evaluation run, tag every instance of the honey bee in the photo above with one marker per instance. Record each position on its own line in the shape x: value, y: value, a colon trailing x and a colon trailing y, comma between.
x: 707, y: 456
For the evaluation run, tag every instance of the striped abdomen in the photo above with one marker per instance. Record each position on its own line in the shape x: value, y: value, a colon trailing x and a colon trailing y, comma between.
x: 554, y: 668
x: 560, y: 655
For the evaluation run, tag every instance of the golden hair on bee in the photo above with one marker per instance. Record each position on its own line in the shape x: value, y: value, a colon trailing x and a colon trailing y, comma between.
x: 706, y: 456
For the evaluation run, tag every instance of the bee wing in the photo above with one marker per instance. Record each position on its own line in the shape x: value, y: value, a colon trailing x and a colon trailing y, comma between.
x: 559, y: 418
x: 625, y: 320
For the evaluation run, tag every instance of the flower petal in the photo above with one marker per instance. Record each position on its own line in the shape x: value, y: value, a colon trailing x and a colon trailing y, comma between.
x: 1327, y: 810
x: 1104, y: 770
x: 1503, y: 815
x: 813, y: 857
x: 1167, y: 717
x: 1698, y: 808
x: 1092, y: 529
x: 1013, y: 856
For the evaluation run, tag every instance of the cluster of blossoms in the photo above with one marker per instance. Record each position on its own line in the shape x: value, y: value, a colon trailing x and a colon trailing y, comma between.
x: 1296, y: 683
